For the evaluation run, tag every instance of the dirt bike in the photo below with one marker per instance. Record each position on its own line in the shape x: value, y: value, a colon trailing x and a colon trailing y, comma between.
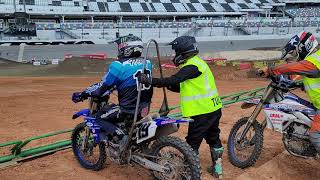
x: 284, y: 112
x: 148, y: 142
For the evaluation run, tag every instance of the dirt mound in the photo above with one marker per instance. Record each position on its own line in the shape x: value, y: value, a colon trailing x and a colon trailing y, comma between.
x: 219, y: 72
x: 85, y: 66
x: 5, y: 62
x: 79, y: 66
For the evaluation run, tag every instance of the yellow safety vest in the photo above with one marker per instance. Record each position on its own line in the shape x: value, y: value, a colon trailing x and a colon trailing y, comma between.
x: 312, y: 85
x: 199, y: 95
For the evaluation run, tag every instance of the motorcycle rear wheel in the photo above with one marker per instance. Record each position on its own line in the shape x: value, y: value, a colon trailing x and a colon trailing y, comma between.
x: 183, y: 163
x: 255, y: 143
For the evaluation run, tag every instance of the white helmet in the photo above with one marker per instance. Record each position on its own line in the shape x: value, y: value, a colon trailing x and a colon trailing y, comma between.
x: 301, y: 45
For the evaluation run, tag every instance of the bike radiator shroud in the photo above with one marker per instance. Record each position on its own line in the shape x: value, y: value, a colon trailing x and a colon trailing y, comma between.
x: 280, y: 115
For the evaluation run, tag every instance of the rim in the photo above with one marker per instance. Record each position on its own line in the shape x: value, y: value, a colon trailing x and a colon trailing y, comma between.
x: 244, y: 149
x: 176, y: 163
x: 91, y: 154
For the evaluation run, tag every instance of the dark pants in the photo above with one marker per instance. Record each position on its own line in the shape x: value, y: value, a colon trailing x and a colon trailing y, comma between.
x: 205, y: 126
x: 107, y: 116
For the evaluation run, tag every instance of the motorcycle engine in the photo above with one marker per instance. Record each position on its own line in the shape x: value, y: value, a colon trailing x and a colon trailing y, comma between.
x: 296, y: 140
x: 113, y: 152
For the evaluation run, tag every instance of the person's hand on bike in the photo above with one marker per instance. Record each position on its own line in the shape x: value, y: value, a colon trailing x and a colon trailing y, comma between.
x: 79, y: 96
x: 263, y: 72
x: 144, y: 79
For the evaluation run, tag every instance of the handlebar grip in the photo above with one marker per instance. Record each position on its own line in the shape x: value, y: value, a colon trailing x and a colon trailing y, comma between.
x: 75, y: 116
x: 260, y: 73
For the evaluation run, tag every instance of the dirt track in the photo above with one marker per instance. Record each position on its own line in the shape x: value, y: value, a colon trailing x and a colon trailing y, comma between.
x: 37, y: 105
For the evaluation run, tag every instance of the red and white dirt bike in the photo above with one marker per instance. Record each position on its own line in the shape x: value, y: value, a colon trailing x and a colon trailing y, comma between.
x: 284, y: 112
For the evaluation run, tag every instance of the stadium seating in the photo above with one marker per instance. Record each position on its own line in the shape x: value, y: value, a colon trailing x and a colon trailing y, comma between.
x: 235, y: 22
x: 305, y: 12
x: 79, y: 6
x: 1, y: 25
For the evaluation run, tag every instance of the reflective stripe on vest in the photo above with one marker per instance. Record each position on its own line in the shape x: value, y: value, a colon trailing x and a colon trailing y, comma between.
x: 313, y: 86
x: 201, y: 96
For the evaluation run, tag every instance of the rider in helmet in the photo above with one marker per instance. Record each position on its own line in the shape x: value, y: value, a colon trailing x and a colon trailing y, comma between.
x: 122, y: 75
x: 303, y: 49
x: 199, y: 98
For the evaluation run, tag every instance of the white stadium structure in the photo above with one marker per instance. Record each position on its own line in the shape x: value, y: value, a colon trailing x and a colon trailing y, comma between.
x: 36, y: 22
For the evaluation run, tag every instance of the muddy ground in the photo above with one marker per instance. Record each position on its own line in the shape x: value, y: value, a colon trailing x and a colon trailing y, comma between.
x: 32, y: 106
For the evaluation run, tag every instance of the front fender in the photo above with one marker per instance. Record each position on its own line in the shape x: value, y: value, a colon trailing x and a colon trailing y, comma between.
x: 82, y: 112
x: 249, y: 103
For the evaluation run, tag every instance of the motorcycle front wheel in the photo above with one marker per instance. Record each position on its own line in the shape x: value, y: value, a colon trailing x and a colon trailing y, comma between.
x: 245, y: 152
x: 89, y: 154
x: 176, y: 155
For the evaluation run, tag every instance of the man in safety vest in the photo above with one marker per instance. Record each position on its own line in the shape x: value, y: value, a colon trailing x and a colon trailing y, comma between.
x: 199, y: 98
x: 303, y: 47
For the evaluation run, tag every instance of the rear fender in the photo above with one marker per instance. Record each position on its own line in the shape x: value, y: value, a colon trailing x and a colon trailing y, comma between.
x: 168, y: 126
x: 160, y: 121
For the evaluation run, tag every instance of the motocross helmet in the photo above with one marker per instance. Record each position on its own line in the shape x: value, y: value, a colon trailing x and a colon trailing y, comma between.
x: 300, y: 45
x: 185, y: 47
x: 129, y: 46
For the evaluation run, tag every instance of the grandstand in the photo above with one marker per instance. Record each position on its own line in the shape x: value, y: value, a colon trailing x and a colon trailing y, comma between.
x: 99, y: 7
x: 105, y: 19
x: 234, y: 23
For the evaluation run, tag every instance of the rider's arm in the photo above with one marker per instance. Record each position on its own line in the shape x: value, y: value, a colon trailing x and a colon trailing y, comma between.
x: 304, y: 68
x: 108, y: 81
x: 187, y: 72
x: 174, y: 88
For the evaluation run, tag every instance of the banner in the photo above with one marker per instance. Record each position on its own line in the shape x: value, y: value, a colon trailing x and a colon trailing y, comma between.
x: 28, y: 29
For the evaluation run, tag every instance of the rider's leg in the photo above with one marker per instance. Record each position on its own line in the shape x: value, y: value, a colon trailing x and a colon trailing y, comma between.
x: 315, y: 131
x: 216, y: 150
x: 197, y: 131
x: 106, y: 118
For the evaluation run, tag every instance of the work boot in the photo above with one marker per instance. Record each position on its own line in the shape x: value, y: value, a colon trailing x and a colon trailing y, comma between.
x: 216, y: 169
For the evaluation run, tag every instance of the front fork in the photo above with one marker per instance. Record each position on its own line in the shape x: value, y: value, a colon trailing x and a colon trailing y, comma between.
x: 255, y: 113
x: 85, y: 138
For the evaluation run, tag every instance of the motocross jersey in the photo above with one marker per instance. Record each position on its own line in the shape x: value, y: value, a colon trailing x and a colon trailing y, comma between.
x: 303, y: 68
x: 122, y: 75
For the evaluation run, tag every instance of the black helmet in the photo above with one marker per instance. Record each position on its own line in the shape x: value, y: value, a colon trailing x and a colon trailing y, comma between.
x: 129, y: 46
x: 185, y: 47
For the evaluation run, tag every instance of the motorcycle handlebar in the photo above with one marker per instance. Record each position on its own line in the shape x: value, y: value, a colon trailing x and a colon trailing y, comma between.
x: 283, y: 83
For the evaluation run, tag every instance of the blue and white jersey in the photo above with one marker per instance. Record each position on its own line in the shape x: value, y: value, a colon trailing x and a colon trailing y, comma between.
x: 123, y: 75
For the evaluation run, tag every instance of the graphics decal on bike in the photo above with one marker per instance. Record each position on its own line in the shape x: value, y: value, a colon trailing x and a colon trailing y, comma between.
x: 286, y: 110
x: 289, y: 105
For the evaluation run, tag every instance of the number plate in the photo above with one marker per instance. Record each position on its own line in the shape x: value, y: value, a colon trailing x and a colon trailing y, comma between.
x: 146, y: 131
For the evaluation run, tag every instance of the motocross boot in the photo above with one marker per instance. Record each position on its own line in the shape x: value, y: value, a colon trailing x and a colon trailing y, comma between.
x: 120, y: 138
x: 216, y: 168
x: 314, y: 137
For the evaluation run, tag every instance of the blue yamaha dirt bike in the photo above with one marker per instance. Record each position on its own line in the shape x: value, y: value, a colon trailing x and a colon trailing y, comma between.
x: 148, y: 143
